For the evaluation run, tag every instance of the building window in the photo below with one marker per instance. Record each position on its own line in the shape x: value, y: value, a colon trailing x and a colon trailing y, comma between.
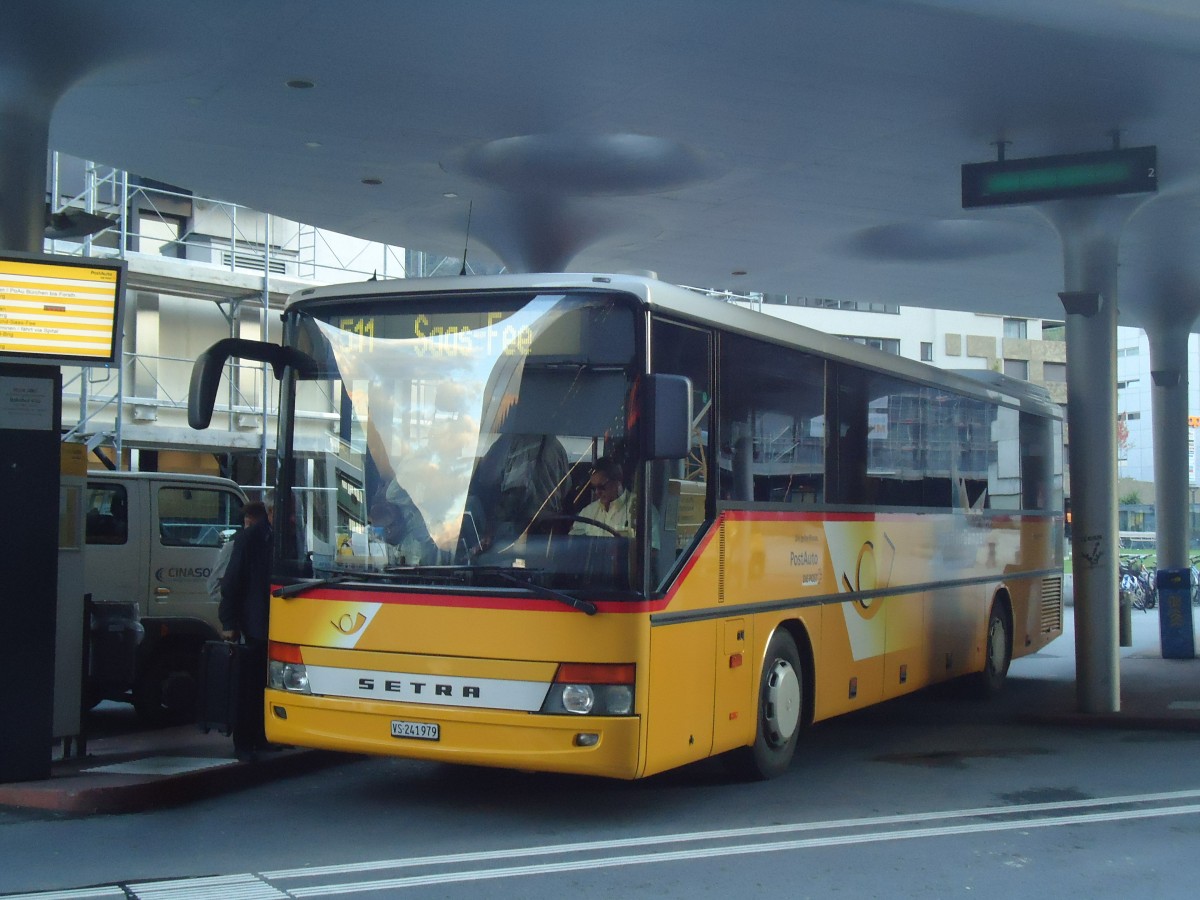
x: 1053, y: 372
x: 926, y: 351
x: 887, y: 345
x: 892, y: 309
x: 1017, y: 368
x: 1016, y: 328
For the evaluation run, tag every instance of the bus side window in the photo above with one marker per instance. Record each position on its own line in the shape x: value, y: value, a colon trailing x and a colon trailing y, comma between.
x: 772, y: 431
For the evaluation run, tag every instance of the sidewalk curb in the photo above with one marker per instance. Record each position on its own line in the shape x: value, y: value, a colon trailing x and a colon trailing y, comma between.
x: 115, y: 794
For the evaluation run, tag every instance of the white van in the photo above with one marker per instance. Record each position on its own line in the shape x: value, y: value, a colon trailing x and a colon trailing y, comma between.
x: 152, y: 541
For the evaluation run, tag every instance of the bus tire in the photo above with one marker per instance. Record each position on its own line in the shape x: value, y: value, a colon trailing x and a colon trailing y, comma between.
x: 997, y: 652
x: 780, y: 712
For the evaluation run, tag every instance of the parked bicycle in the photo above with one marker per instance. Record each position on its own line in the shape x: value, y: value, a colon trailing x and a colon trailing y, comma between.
x: 1138, y: 582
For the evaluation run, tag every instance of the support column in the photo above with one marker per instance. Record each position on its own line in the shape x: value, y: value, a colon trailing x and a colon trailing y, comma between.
x: 1090, y: 233
x: 29, y: 458
x: 24, y: 148
x: 1169, y: 396
x: 1169, y: 400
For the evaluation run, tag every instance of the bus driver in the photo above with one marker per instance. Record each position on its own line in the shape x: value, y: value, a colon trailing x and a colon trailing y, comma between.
x: 610, y: 504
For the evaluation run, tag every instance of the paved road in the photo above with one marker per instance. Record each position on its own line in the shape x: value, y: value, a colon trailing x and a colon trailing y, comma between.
x: 932, y: 795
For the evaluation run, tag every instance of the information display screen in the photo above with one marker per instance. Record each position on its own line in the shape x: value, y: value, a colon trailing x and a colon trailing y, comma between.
x: 63, y: 310
x: 1131, y: 170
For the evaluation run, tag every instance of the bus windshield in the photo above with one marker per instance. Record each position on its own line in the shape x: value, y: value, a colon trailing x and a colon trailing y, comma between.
x: 461, y: 439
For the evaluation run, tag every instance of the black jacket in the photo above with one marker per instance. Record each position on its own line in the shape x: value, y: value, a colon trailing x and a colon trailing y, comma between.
x: 246, y: 584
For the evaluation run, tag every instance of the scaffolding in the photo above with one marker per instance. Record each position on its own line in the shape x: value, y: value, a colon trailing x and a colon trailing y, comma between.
x: 179, y: 245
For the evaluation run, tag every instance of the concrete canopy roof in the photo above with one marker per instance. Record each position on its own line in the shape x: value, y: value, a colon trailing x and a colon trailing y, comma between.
x: 813, y: 145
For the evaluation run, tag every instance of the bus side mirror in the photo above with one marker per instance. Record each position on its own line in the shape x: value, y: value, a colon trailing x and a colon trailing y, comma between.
x: 666, y: 416
x: 206, y: 372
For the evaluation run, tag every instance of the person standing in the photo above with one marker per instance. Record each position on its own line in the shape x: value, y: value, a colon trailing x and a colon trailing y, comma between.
x: 245, y: 603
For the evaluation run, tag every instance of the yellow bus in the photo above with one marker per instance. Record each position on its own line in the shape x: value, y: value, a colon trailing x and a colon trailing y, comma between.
x: 790, y: 525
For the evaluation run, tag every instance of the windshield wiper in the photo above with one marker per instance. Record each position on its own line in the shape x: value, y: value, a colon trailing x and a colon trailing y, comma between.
x: 447, y: 573
x: 584, y: 606
x: 299, y: 587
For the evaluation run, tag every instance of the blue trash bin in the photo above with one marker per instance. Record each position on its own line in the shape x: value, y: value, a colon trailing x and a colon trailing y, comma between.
x: 1175, y: 613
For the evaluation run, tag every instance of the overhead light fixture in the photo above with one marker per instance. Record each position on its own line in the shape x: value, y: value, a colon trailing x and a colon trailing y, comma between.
x: 74, y: 223
x: 372, y: 181
x: 738, y: 272
x: 450, y: 195
x: 300, y: 84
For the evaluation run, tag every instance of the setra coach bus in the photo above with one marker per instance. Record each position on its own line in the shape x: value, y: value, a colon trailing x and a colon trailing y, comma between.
x: 790, y: 526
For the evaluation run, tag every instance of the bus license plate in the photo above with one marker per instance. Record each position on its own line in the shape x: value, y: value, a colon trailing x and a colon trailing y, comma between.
x: 422, y: 731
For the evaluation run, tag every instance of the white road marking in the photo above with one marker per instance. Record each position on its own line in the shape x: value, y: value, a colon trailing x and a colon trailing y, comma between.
x: 726, y: 834
x: 737, y: 842
x: 734, y: 850
x: 90, y: 893
x: 218, y: 887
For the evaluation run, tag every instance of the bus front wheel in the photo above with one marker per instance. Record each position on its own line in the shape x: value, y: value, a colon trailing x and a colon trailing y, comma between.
x: 780, y: 711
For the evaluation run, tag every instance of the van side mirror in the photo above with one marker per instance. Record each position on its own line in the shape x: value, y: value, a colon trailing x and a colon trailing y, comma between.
x: 666, y: 414
x: 206, y: 372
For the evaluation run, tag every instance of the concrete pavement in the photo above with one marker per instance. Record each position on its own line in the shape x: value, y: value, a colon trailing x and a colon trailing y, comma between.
x: 132, y: 770
x: 127, y: 769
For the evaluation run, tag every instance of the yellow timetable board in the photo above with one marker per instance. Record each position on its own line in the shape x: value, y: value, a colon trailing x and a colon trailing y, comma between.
x: 66, y: 309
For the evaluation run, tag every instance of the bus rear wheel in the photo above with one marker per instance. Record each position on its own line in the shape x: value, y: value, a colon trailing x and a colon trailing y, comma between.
x: 780, y: 712
x: 997, y: 652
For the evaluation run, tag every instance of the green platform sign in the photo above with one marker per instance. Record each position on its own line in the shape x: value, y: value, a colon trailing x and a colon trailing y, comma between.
x: 1012, y: 182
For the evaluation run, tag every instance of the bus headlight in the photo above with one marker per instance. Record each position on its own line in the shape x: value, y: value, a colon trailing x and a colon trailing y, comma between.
x: 285, y: 676
x: 619, y: 699
x: 578, y: 698
x: 585, y: 689
x: 286, y: 670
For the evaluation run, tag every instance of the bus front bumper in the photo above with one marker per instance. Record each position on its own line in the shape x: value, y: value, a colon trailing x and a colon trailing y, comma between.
x: 584, y: 745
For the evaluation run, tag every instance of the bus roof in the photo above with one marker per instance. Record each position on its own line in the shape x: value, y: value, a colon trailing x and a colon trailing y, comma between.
x: 692, y: 305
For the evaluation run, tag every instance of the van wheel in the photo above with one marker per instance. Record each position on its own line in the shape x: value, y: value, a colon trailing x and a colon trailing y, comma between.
x: 780, y: 713
x: 165, y: 691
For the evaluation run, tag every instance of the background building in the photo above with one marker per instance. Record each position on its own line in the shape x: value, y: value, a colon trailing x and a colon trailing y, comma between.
x: 199, y: 270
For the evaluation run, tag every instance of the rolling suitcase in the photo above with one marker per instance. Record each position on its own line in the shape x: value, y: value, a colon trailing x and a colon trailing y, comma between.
x: 221, y: 667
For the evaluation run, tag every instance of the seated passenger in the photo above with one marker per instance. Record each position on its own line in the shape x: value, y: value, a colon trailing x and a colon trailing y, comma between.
x: 522, y: 477
x: 611, y: 504
x: 400, y: 525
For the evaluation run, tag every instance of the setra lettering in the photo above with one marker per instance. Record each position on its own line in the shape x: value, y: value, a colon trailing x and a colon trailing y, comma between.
x: 369, y: 685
